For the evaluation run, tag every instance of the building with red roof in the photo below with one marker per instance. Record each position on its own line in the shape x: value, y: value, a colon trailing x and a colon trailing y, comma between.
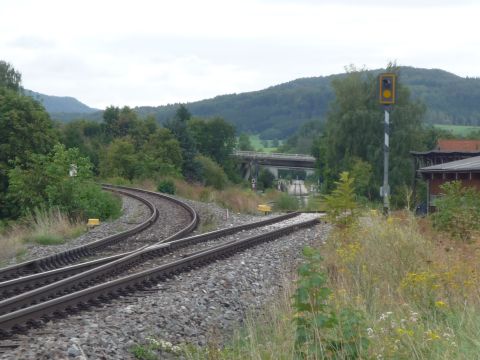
x: 458, y: 145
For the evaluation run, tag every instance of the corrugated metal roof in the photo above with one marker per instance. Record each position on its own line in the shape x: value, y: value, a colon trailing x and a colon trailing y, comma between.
x: 465, y: 165
x: 458, y: 145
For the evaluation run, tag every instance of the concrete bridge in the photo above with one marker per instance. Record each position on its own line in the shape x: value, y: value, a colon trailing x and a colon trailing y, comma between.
x: 273, y: 162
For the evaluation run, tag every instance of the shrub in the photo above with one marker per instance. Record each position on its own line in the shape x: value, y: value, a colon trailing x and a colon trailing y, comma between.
x: 211, y: 173
x: 166, y: 186
x: 265, y: 179
x: 458, y: 210
x: 341, y: 203
x: 322, y: 332
x: 286, y: 202
x: 46, y: 183
x: 90, y: 201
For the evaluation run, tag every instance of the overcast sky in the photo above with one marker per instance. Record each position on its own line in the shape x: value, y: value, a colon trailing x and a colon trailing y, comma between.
x: 157, y: 52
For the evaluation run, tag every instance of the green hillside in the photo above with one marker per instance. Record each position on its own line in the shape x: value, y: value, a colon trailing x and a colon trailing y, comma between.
x: 276, y: 112
x: 60, y: 104
x: 459, y: 130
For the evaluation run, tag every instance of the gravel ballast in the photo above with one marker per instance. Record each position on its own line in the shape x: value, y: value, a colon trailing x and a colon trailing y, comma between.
x: 187, y: 308
x: 191, y: 307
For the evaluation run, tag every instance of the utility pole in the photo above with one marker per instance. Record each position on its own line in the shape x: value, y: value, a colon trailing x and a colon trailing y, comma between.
x: 387, y: 98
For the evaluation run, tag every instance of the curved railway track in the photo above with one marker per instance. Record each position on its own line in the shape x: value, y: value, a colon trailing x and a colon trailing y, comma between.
x: 57, y: 299
x: 113, y: 243
x: 97, y: 270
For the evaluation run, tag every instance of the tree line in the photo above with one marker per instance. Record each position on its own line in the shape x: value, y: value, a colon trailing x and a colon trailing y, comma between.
x: 277, y: 112
x: 352, y: 136
x: 37, y: 154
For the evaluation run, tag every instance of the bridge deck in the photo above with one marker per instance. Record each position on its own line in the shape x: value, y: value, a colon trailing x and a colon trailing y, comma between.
x: 250, y: 155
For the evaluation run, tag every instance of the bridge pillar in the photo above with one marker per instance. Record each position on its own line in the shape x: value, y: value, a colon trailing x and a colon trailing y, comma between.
x: 273, y: 170
x: 310, y: 172
x: 247, y: 172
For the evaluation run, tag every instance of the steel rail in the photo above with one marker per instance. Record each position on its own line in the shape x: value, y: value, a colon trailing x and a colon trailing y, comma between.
x: 32, y: 316
x: 72, y: 278
x: 67, y: 257
x: 71, y: 255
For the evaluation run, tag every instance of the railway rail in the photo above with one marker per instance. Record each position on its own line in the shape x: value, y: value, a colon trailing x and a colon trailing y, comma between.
x: 17, y: 293
x: 73, y: 255
x: 17, y: 320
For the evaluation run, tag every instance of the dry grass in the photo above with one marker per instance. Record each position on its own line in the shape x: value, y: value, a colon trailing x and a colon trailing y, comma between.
x: 52, y: 227
x: 418, y: 292
x: 11, y: 242
x: 42, y: 227
x: 233, y: 198
x: 416, y: 287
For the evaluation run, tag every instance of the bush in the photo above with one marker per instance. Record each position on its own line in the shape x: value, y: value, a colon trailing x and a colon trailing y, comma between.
x: 46, y: 183
x: 286, y: 202
x: 90, y: 201
x: 341, y: 203
x: 211, y: 173
x: 265, y: 179
x: 458, y: 210
x: 166, y: 186
x: 321, y: 331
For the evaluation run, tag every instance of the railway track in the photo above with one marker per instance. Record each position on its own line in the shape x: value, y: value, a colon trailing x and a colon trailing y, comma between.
x: 61, y: 298
x: 115, y: 244
x: 25, y: 291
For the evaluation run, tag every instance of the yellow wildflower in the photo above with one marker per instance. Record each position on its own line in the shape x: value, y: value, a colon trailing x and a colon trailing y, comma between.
x: 432, y: 335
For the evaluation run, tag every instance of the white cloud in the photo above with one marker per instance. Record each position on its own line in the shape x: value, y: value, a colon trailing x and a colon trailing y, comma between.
x: 154, y: 52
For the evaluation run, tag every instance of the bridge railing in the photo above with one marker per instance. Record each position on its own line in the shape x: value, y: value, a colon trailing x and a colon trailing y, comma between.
x: 254, y: 154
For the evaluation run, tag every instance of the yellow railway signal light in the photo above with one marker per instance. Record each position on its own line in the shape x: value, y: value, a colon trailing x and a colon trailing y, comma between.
x: 387, y: 88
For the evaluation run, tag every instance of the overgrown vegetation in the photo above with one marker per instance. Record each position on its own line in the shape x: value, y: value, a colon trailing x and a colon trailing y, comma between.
x: 341, y: 204
x: 386, y: 288
x: 458, y: 210
x: 45, y: 183
x: 166, y: 186
x: 44, y: 227
x: 285, y: 202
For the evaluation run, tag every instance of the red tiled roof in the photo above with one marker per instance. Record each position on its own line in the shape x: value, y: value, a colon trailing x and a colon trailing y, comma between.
x: 458, y: 145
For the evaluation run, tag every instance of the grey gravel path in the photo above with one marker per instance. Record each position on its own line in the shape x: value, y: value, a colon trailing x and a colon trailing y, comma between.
x: 188, y: 308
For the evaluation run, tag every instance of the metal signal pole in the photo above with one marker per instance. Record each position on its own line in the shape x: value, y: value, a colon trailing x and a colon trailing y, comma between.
x: 386, y: 150
x: 387, y: 98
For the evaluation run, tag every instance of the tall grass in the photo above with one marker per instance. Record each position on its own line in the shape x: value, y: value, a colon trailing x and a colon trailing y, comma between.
x: 415, y: 294
x: 235, y: 198
x: 44, y: 227
x: 49, y: 227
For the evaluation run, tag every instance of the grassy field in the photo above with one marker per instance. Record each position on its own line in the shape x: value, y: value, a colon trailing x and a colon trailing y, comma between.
x: 258, y: 144
x: 458, y: 130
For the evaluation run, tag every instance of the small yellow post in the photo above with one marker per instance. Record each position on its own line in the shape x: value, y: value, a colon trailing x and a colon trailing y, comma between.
x: 93, y: 222
x: 264, y: 208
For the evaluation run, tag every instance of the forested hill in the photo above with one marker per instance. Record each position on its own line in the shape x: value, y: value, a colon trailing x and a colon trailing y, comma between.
x: 63, y: 107
x: 277, y: 111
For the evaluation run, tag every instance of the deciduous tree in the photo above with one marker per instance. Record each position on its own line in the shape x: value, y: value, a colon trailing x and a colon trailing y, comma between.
x: 25, y: 129
x: 9, y: 77
x: 355, y: 127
